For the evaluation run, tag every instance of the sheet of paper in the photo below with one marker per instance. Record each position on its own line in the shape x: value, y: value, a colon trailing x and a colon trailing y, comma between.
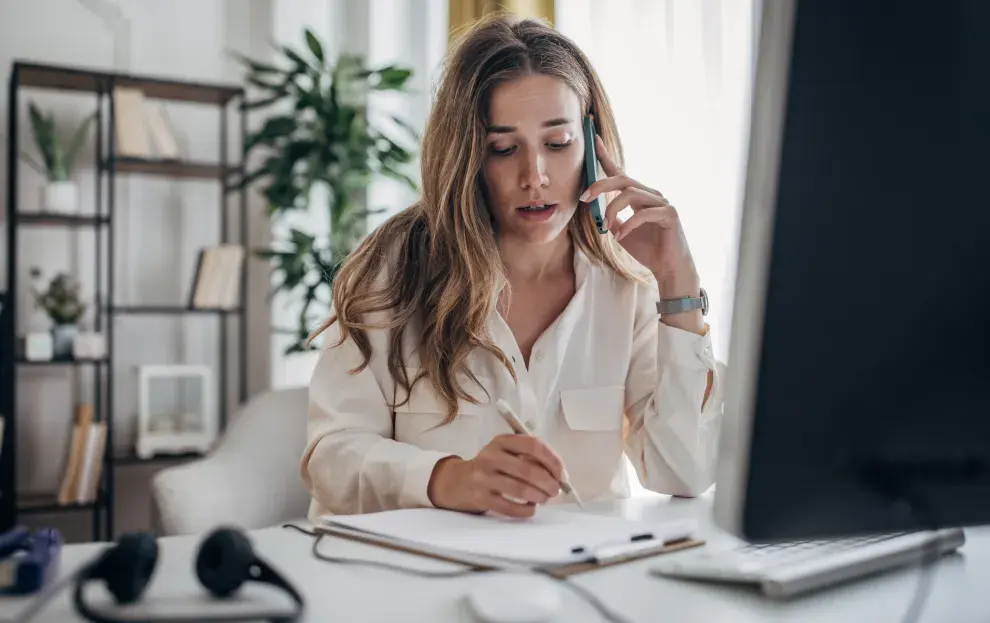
x: 548, y: 538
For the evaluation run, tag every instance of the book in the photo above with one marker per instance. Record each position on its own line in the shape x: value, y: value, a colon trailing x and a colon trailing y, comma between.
x: 217, y: 278
x: 76, y: 457
x: 130, y: 131
x: 552, y: 537
x: 91, y: 463
x: 161, y: 136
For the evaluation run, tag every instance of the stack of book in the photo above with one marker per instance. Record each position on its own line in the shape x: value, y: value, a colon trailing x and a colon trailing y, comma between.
x: 84, y: 464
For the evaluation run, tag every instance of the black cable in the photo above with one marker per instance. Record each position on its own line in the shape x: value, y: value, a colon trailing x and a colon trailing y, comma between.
x: 930, y: 555
x: 609, y: 614
x: 892, y: 485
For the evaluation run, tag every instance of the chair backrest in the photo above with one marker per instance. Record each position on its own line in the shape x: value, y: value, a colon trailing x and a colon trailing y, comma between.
x: 250, y: 479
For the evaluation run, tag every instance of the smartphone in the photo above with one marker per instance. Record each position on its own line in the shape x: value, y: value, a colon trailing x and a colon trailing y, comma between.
x: 591, y: 173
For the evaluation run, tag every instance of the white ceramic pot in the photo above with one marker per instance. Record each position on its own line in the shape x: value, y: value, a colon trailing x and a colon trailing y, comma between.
x: 60, y: 198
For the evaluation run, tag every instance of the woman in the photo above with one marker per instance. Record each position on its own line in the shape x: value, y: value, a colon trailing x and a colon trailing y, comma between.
x: 497, y: 285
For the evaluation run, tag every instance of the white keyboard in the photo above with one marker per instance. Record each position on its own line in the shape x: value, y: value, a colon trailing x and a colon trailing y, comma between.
x: 782, y: 570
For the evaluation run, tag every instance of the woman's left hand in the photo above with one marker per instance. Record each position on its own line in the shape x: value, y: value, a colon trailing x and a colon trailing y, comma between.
x: 653, y: 234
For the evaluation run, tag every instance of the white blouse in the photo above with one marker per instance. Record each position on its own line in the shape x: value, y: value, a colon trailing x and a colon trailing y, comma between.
x: 606, y: 361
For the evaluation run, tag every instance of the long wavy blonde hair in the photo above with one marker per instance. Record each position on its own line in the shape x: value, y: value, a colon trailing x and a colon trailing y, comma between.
x: 443, y: 247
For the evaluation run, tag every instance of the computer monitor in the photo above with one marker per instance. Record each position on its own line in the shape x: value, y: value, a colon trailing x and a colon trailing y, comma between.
x: 858, y: 383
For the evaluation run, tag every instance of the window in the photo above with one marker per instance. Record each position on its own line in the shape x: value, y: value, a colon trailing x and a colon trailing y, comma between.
x: 678, y: 75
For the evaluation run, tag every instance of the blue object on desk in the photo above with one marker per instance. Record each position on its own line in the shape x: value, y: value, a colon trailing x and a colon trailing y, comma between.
x: 28, y: 560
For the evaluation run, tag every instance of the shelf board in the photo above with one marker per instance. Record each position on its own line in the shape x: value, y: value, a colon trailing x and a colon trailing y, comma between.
x: 63, y: 220
x: 61, y: 362
x: 168, y: 168
x: 67, y: 78
x: 133, y: 459
x: 169, y: 310
x: 48, y: 503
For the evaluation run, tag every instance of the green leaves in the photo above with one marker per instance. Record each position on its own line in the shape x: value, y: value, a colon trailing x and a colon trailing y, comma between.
x: 320, y: 133
x: 60, y: 300
x: 58, y: 163
x: 314, y: 45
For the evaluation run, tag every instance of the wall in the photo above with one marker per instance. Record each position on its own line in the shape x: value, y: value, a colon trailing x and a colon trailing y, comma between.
x: 160, y: 223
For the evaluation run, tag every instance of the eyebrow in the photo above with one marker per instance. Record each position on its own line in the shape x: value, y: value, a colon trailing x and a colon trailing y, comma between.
x: 505, y: 129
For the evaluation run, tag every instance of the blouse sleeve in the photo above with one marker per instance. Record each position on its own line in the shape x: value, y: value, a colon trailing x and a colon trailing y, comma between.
x: 672, y: 438
x: 351, y: 463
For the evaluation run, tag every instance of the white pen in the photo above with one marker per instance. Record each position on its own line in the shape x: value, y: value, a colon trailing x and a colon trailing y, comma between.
x: 513, y: 421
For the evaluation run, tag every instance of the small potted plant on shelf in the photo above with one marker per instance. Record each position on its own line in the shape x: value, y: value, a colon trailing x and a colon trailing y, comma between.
x: 60, y: 194
x: 64, y: 306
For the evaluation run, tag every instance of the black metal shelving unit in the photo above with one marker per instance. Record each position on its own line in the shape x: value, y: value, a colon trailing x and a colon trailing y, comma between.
x: 101, y: 85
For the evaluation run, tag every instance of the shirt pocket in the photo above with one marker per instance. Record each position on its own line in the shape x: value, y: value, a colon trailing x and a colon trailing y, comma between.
x: 594, y: 409
x: 419, y: 420
x: 591, y: 438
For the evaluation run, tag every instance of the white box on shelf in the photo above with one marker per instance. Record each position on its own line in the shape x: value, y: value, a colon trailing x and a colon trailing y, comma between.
x: 37, y: 346
x: 89, y: 345
x: 176, y: 410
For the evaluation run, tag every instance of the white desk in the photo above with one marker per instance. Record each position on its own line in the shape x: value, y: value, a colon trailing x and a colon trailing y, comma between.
x: 960, y: 590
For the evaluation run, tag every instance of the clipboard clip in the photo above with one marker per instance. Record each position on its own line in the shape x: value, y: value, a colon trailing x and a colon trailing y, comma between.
x: 612, y: 550
x: 634, y: 546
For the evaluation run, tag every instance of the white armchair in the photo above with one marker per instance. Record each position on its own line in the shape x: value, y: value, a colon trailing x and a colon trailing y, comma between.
x: 251, y: 477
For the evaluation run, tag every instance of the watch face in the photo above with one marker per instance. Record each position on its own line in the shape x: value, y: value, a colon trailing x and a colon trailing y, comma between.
x: 704, y: 302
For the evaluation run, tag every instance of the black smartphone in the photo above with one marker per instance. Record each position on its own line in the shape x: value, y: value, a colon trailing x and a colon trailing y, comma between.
x: 591, y: 173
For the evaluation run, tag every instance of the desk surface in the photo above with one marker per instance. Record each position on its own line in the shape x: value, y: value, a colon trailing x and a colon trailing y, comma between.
x: 959, y: 591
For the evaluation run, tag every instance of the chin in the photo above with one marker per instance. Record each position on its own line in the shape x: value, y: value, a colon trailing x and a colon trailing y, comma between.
x: 539, y: 231
x: 546, y: 236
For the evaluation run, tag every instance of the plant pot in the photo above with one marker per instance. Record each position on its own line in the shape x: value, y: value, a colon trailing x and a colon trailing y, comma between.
x: 63, y: 337
x: 60, y: 197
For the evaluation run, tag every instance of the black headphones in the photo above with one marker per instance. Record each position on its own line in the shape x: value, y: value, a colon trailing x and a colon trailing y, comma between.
x: 225, y: 561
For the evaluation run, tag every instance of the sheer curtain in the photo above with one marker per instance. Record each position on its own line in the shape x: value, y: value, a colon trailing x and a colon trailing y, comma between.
x: 678, y: 74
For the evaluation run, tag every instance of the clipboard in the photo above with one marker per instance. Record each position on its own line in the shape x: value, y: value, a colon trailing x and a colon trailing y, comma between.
x: 602, y: 557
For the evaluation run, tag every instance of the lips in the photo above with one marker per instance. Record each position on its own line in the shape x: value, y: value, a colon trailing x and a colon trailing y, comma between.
x: 538, y: 208
x: 537, y: 213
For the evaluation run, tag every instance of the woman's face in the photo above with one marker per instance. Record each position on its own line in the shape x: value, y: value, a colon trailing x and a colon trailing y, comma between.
x: 534, y: 156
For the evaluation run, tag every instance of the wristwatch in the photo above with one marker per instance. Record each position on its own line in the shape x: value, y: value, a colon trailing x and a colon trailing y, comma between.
x: 685, y: 304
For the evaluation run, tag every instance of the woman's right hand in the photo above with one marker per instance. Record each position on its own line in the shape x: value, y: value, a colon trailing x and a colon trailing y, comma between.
x: 510, y: 476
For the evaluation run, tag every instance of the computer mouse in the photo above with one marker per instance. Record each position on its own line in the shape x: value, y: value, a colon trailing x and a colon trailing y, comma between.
x: 514, y: 599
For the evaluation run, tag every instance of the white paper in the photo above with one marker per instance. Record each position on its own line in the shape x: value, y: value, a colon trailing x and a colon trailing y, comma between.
x: 548, y: 538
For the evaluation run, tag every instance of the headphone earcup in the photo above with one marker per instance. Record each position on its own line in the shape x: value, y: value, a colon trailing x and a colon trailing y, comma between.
x: 127, y: 567
x: 224, y: 561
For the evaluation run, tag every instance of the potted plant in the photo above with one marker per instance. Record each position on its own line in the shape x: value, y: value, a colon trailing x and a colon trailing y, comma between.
x: 321, y: 134
x: 60, y: 194
x: 64, y: 306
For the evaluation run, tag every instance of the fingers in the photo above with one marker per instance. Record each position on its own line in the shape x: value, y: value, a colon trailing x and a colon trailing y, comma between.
x: 517, y: 489
x: 664, y: 216
x: 631, y: 197
x: 528, y: 472
x: 498, y: 504
x: 613, y: 184
x: 535, y: 449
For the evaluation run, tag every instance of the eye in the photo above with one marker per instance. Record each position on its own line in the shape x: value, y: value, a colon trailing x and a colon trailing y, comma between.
x: 502, y: 152
x: 560, y: 146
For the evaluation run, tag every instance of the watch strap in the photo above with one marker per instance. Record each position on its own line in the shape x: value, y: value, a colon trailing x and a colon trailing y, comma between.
x: 684, y: 304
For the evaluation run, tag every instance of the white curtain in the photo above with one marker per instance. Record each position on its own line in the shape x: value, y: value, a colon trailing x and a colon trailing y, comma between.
x: 678, y: 74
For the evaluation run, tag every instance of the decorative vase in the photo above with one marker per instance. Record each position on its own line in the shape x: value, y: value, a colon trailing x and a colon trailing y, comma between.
x: 63, y: 338
x: 60, y: 197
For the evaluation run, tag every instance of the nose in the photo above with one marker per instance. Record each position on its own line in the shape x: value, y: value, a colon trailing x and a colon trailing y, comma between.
x: 532, y: 171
